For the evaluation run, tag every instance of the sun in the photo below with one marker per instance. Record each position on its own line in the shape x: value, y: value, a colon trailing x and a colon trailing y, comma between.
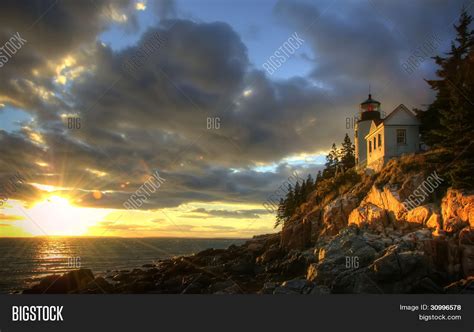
x: 59, y: 202
x: 55, y: 215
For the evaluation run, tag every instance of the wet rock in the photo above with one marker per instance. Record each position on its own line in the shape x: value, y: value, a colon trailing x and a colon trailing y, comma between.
x: 72, y: 281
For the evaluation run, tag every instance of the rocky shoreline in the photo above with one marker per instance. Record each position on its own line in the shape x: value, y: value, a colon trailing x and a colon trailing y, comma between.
x: 358, y: 240
x: 392, y: 264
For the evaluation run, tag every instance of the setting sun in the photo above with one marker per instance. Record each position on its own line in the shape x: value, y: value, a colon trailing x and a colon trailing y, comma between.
x: 55, y: 215
x: 59, y: 202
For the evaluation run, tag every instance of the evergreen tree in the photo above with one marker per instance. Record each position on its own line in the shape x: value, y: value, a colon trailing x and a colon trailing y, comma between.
x: 448, y: 122
x: 309, y: 187
x: 289, y: 203
x: 297, y: 195
x: 438, y: 121
x: 332, y: 161
x: 347, y: 154
x: 319, y: 177
x: 280, y: 218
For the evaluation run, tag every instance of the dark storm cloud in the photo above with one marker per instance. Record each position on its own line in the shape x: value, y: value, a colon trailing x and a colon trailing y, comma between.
x: 52, y: 29
x: 360, y: 43
x: 153, y: 115
x: 210, y: 185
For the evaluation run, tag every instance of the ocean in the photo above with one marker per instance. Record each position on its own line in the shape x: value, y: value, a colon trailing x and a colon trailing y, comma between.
x: 24, y: 261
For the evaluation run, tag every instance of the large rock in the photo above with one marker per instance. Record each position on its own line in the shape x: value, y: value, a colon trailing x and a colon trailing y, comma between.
x: 397, y: 271
x: 388, y: 199
x: 347, y: 251
x: 396, y: 264
x: 72, y: 281
x: 457, y: 209
x: 370, y: 215
x: 420, y: 215
x: 336, y: 213
x: 296, y: 234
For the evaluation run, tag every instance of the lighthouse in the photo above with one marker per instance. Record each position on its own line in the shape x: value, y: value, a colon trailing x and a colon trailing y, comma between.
x: 369, y: 111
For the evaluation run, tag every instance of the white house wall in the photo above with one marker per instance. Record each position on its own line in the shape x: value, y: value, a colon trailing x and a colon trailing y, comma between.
x: 375, y: 158
x: 392, y: 149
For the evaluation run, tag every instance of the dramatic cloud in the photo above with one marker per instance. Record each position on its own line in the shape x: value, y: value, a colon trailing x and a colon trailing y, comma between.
x: 147, y: 107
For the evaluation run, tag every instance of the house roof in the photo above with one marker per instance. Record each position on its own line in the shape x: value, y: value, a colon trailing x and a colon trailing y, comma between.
x: 376, y: 124
x: 401, y: 108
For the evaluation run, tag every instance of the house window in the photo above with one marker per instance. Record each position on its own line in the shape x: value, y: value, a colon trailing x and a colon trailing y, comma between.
x: 370, y: 146
x: 375, y: 143
x: 401, y: 136
x: 380, y: 140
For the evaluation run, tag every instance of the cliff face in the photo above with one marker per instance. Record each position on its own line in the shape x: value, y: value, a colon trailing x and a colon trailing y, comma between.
x: 355, y: 234
x: 381, y: 241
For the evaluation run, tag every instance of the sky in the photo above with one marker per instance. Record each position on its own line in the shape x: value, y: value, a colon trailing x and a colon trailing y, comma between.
x: 182, y: 89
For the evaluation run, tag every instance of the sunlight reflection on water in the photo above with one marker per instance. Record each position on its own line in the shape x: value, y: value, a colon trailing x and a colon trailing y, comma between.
x: 25, y: 260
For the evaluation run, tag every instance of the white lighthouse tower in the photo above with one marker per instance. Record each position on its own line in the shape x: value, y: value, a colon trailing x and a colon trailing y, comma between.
x: 369, y: 111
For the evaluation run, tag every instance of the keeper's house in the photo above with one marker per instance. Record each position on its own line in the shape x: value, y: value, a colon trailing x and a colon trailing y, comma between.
x: 378, y: 140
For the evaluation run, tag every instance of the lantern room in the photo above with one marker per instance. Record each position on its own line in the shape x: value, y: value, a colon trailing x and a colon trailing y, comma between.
x: 370, y: 109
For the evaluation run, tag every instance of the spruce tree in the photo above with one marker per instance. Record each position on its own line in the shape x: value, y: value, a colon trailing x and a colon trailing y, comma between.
x: 280, y: 218
x: 332, y: 161
x: 448, y: 122
x: 347, y: 154
x: 439, y: 121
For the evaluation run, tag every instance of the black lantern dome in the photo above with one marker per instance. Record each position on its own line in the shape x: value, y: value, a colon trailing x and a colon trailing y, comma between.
x: 370, y: 109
